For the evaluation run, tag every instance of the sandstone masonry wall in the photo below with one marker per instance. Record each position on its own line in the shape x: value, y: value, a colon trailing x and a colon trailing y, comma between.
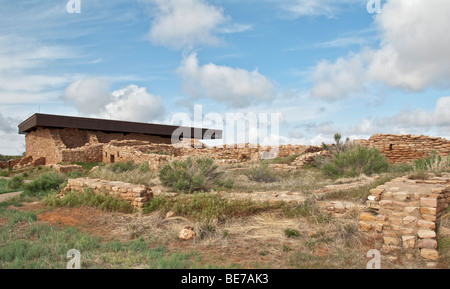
x: 87, y: 154
x: 73, y: 145
x: 406, y: 213
x: 136, y: 195
x: 406, y: 148
x: 44, y: 143
x: 139, y: 152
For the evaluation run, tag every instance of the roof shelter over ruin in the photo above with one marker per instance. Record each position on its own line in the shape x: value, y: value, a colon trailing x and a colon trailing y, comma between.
x: 112, y: 126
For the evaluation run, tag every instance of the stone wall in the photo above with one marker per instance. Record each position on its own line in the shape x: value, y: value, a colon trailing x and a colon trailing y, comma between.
x: 87, y: 154
x: 136, y: 195
x: 44, y: 143
x: 406, y: 148
x: 406, y: 213
x: 73, y: 145
x: 140, y: 152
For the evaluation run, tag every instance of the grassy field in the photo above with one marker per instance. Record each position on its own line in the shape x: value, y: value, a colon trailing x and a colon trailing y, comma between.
x: 37, y: 229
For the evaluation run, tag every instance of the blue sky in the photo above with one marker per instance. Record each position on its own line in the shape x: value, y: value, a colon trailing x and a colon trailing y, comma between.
x: 326, y: 66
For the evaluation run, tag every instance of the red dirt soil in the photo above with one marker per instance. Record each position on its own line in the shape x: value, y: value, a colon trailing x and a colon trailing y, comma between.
x: 83, y: 218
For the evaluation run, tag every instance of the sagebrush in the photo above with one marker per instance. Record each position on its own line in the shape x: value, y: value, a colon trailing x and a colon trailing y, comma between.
x: 193, y: 175
x: 354, y: 161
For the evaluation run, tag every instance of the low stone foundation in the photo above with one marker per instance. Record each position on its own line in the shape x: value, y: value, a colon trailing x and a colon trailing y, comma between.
x: 65, y: 169
x: 136, y: 195
x: 406, y: 213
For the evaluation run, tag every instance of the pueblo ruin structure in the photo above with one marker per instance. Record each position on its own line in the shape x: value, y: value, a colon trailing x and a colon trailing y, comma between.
x: 53, y: 139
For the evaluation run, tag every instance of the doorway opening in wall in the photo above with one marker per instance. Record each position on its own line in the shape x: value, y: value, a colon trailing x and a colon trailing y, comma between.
x: 391, y: 147
x: 111, y: 159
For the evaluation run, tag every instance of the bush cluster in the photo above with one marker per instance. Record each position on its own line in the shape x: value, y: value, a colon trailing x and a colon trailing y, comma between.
x: 261, y: 173
x: 193, y: 175
x: 44, y: 184
x: 433, y: 163
x: 350, y: 160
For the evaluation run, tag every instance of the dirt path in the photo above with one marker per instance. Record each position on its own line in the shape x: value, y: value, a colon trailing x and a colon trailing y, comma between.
x: 8, y: 196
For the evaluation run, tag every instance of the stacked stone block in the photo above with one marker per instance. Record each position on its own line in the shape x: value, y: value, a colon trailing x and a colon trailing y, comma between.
x: 406, y: 148
x: 136, y: 195
x: 406, y: 214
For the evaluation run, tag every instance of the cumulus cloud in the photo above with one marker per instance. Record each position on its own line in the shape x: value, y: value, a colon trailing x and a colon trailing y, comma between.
x: 186, y: 23
x: 91, y: 96
x: 88, y: 95
x: 235, y: 86
x: 134, y: 103
x: 439, y: 117
x: 334, y: 81
x: 413, y: 54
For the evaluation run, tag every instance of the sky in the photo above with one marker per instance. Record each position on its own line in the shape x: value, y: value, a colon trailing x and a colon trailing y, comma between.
x: 321, y: 66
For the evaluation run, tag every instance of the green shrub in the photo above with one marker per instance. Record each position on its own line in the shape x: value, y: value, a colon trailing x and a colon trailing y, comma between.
x: 121, y: 167
x: 16, y: 217
x: 144, y: 168
x: 191, y: 175
x: 74, y: 174
x: 88, y: 166
x: 309, y: 210
x: 44, y: 184
x: 433, y: 162
x: 15, y: 183
x: 291, y: 233
x: 261, y: 173
x: 401, y: 168
x: 354, y: 161
x: 339, y: 146
x: 3, y: 173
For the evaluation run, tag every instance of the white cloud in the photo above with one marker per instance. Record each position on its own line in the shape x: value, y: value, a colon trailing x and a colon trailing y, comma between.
x: 133, y: 103
x: 91, y: 96
x: 6, y: 124
x: 302, y: 8
x: 20, y: 53
x: 417, y: 121
x: 181, y: 24
x: 12, y: 143
x: 22, y: 69
x: 334, y: 81
x: 235, y: 86
x: 413, y: 53
x: 88, y: 95
x: 438, y: 118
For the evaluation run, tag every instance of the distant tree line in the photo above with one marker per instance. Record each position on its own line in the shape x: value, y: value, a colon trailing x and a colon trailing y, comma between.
x: 5, y: 158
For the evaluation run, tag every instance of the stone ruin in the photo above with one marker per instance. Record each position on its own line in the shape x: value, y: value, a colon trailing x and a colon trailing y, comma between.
x: 406, y: 214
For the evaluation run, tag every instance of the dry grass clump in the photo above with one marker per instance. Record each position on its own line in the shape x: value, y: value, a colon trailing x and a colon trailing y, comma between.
x: 125, y: 172
x: 302, y: 180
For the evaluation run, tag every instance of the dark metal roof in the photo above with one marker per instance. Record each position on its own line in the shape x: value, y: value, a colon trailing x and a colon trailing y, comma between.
x: 111, y: 126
